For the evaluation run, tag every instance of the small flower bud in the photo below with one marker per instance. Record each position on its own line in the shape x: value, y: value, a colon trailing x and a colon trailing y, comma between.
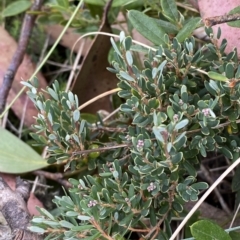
x: 175, y: 117
x: 151, y: 187
x: 206, y: 112
x: 92, y: 203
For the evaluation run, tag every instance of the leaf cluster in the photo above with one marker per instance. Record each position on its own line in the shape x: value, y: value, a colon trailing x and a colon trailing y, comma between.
x: 181, y: 104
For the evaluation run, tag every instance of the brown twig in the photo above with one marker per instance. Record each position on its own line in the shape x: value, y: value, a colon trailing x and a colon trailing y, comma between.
x: 138, y: 230
x: 58, y: 177
x: 156, y: 228
x: 18, y: 56
x: 108, y: 129
x: 104, y: 234
x: 102, y: 149
x: 209, y: 22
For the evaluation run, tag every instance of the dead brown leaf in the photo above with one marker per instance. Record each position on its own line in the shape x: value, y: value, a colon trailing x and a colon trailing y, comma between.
x: 8, y: 46
x: 93, y: 78
x: 10, y: 179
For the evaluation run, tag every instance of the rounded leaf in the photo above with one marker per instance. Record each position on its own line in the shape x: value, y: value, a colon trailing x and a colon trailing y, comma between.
x: 206, y: 230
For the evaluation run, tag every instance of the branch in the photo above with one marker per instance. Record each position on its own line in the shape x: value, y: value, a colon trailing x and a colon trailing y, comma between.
x: 18, y: 56
x: 209, y: 22
x: 58, y: 177
x: 102, y: 149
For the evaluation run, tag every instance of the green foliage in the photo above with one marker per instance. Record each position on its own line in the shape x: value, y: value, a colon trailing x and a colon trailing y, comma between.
x: 182, y: 104
x: 147, y: 27
x: 155, y: 29
x: 175, y: 112
x: 59, y: 120
x: 60, y: 11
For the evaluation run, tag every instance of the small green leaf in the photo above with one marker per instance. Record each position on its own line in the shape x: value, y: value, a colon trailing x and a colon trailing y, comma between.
x: 71, y: 97
x: 125, y: 221
x: 237, y: 75
x: 38, y: 220
x: 157, y: 131
x: 129, y: 58
x: 199, y: 186
x: 205, y: 130
x: 83, y: 218
x: 115, y: 46
x: 206, y: 230
x: 16, y: 7
x: 170, y: 11
x: 16, y: 156
x: 177, y: 158
x: 181, y: 124
x: 46, y: 213
x: 71, y: 214
x: 203, y: 150
x: 53, y: 94
x: 106, y: 174
x: 229, y: 70
x: 188, y: 28
x: 213, y: 85
x: 91, y: 164
x: 164, y: 208
x: 219, y: 33
x: 177, y: 206
x: 66, y: 224
x: 127, y: 43
x: 153, y: 219
x: 40, y: 105
x: 27, y: 84
x: 180, y: 141
x: 217, y: 76
x: 193, y: 196
x: 36, y: 229
x: 227, y: 153
x: 76, y: 115
x: 170, y: 112
x: 126, y: 76
x: 147, y: 27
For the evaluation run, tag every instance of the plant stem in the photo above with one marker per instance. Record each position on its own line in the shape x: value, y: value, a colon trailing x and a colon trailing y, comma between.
x: 209, y: 22
x: 27, y: 26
